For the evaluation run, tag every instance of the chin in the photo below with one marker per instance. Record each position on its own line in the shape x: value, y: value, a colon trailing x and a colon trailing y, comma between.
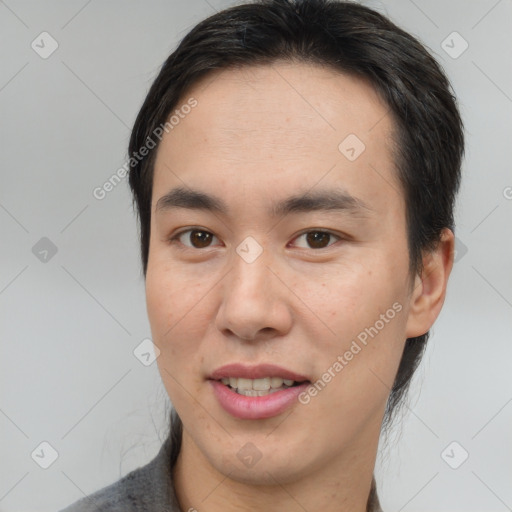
x: 263, y: 473
x: 266, y: 466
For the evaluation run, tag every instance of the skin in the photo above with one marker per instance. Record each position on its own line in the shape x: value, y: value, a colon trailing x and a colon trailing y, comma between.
x: 258, y: 135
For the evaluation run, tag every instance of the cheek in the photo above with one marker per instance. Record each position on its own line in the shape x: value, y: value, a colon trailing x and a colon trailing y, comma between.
x: 364, y: 308
x: 171, y: 304
x: 351, y: 296
x: 169, y: 295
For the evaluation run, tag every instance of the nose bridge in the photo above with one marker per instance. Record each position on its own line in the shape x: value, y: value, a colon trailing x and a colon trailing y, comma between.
x: 250, y: 294
x: 250, y: 275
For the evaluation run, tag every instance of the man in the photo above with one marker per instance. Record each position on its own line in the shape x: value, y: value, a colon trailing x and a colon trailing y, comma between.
x: 300, y: 161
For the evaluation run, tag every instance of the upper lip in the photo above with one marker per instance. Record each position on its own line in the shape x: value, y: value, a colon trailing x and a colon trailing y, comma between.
x: 255, y: 372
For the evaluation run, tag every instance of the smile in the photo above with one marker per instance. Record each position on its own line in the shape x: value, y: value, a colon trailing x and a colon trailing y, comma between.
x: 256, y: 392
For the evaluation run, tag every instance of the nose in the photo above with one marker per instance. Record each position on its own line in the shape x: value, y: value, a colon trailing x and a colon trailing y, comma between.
x: 255, y: 303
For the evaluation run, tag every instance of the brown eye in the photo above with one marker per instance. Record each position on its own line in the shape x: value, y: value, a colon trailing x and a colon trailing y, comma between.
x: 198, y: 238
x: 318, y: 239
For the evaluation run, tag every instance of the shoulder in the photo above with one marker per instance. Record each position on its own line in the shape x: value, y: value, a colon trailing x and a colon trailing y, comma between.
x: 111, y: 498
x: 144, y: 489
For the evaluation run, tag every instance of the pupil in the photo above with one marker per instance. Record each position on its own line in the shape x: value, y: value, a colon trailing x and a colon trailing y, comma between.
x: 205, y: 238
x: 315, y: 236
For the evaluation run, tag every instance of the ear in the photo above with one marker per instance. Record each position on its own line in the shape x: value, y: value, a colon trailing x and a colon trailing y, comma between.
x: 429, y: 290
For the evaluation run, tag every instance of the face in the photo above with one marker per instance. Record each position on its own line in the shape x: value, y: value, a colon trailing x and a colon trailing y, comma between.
x: 317, y: 286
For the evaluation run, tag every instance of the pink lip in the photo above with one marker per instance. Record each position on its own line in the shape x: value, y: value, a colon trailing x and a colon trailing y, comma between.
x: 256, y: 407
x: 255, y: 372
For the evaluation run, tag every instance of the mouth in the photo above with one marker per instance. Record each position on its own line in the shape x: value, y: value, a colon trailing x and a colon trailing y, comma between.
x: 256, y: 392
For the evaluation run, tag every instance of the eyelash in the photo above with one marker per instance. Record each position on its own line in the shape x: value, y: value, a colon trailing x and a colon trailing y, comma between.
x: 174, y: 239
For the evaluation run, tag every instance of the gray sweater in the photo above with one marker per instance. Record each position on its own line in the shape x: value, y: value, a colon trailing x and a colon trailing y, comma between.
x: 150, y: 489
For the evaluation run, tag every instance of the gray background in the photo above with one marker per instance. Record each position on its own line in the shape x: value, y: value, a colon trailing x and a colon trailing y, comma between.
x: 71, y: 321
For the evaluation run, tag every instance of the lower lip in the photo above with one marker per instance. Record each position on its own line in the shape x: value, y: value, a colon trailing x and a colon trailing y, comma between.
x: 256, y: 407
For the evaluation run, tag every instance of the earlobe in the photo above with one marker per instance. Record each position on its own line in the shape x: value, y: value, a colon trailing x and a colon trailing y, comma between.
x: 429, y: 290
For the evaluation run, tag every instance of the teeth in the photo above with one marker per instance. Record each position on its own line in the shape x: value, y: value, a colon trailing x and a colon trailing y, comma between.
x: 276, y: 382
x: 243, y: 383
x: 265, y: 385
x: 261, y: 384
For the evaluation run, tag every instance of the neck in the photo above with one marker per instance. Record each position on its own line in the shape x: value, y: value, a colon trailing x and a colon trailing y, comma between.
x: 343, y: 484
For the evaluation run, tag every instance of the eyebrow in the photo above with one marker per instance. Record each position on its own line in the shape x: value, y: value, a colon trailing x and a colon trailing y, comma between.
x: 320, y: 200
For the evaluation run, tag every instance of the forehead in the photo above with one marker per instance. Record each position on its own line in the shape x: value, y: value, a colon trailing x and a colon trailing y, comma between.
x: 289, y: 125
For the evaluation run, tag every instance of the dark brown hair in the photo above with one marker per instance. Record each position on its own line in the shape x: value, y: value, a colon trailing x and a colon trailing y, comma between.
x: 352, y: 39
